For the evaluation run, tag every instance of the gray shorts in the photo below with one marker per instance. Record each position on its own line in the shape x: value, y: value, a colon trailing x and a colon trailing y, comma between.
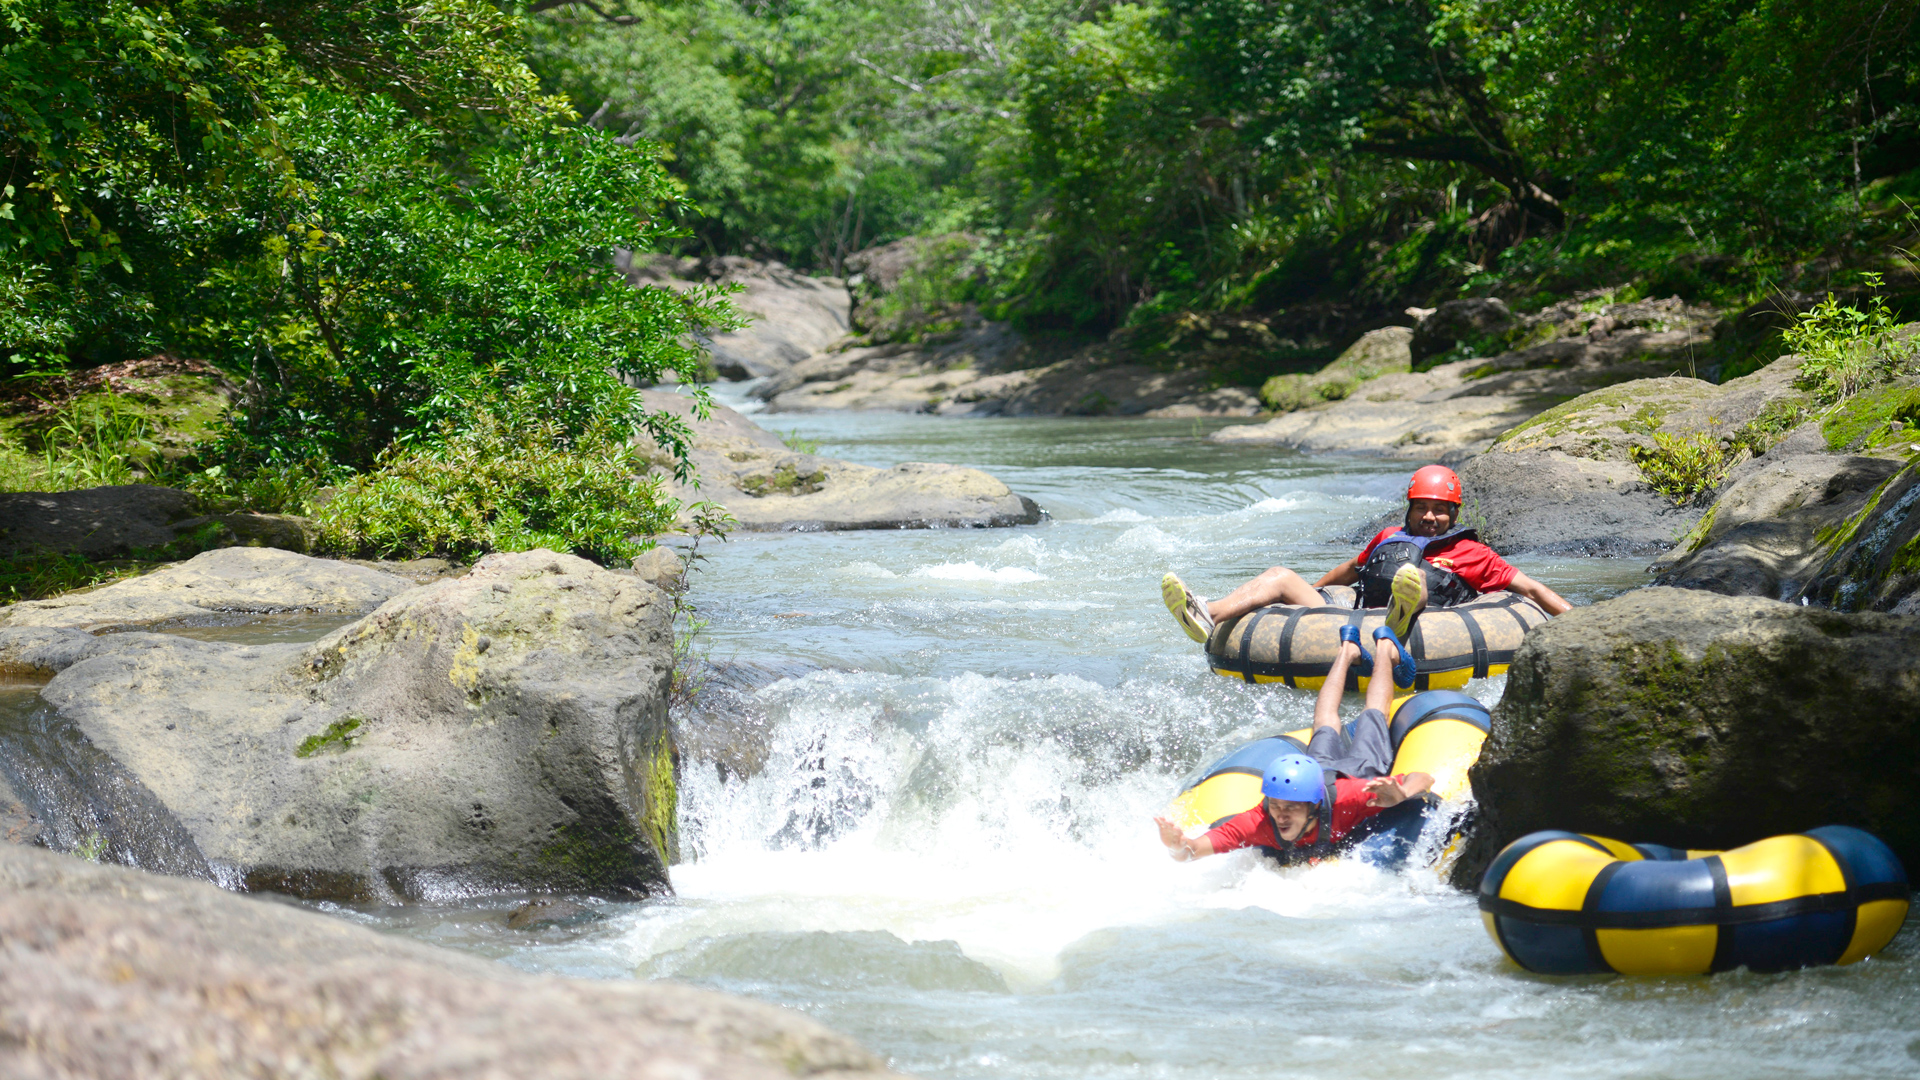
x: 1360, y: 748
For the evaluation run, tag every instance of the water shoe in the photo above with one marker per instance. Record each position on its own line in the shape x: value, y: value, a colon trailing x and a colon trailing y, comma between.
x: 1188, y: 610
x: 1404, y: 668
x: 1409, y: 600
x: 1350, y: 632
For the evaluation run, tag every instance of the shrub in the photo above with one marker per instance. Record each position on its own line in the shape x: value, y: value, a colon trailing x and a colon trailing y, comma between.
x: 495, y: 487
x: 1682, y: 467
x: 1848, y: 350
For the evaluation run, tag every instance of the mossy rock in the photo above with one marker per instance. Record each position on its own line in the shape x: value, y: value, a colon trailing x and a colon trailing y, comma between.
x: 1882, y: 417
x: 1616, y: 415
x: 1696, y: 720
x: 1378, y: 352
x: 1874, y: 557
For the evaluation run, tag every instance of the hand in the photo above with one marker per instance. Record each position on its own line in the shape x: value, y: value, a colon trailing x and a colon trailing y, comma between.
x: 1385, y: 791
x: 1388, y: 791
x: 1170, y: 833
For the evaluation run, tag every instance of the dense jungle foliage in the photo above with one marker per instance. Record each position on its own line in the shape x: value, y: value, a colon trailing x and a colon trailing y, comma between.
x: 1130, y: 161
x: 371, y: 215
x: 393, y: 222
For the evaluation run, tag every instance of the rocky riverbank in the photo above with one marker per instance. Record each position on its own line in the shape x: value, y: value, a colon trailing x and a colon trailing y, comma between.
x: 110, y: 972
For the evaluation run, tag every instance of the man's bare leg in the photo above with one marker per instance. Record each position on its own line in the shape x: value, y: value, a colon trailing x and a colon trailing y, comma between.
x: 1276, y: 586
x: 1326, y: 707
x: 1380, y: 684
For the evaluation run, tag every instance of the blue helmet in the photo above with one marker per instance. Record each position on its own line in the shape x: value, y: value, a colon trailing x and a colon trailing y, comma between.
x: 1294, y: 777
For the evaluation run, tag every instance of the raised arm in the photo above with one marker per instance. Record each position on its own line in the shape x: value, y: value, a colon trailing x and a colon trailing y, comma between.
x: 1181, y: 846
x: 1550, y: 602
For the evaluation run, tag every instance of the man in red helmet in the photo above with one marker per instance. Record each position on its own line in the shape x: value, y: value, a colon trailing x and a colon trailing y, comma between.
x: 1428, y: 561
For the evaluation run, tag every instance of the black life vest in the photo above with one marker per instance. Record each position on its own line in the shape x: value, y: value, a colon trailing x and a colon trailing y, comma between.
x: 1444, y: 587
x: 1289, y: 853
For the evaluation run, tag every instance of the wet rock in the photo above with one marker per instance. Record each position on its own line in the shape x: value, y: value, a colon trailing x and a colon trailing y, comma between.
x: 1697, y: 720
x: 111, y: 972
x: 502, y: 731
x: 100, y: 522
x: 547, y: 912
x: 215, y: 586
x: 768, y: 486
x: 1768, y: 532
x: 17, y: 822
x: 793, y: 316
x: 1872, y: 558
x: 1456, y: 321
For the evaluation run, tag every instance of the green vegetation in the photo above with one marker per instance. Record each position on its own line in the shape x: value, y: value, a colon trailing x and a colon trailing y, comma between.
x: 338, y: 736
x: 391, y: 226
x: 1848, y: 350
x: 502, y: 487
x: 800, y: 444
x: 1682, y: 467
x: 1315, y: 167
x: 370, y: 215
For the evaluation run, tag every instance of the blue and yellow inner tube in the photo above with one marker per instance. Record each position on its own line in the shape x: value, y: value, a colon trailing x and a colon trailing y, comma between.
x: 1438, y: 732
x: 1561, y: 903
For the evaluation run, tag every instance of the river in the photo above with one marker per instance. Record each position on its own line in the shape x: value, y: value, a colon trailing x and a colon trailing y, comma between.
x: 948, y: 851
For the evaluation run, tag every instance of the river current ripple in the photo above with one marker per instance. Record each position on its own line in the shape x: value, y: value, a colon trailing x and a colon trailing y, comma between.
x: 948, y: 853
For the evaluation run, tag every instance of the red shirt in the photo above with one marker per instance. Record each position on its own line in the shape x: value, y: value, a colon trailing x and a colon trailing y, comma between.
x: 1253, y: 828
x: 1474, y: 561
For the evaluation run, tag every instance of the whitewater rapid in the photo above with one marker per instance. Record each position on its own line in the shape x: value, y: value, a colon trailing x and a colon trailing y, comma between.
x: 917, y: 802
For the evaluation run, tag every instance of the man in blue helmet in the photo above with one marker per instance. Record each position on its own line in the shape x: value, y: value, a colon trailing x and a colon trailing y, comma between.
x: 1313, y: 804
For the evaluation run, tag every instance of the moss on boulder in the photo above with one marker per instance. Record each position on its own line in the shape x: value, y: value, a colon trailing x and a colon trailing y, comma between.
x: 1704, y: 721
x: 1378, y: 352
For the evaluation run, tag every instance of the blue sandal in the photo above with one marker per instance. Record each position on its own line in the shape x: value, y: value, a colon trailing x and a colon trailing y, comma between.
x: 1350, y: 632
x: 1404, y: 669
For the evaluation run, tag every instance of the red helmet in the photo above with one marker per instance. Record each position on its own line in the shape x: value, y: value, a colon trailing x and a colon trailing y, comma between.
x: 1434, y: 482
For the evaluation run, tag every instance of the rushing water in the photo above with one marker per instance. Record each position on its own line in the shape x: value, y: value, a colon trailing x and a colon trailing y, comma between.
x: 946, y: 848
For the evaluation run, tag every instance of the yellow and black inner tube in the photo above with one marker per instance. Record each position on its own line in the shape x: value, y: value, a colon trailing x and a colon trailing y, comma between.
x: 1296, y: 645
x: 1562, y: 903
x: 1438, y: 732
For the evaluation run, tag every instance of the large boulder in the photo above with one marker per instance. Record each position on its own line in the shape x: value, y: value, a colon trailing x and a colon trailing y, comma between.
x: 1697, y: 720
x: 791, y: 316
x: 505, y: 730
x: 222, y: 586
x: 109, y: 972
x: 1565, y: 480
x: 1771, y: 529
x: 1376, y: 353
x: 769, y: 486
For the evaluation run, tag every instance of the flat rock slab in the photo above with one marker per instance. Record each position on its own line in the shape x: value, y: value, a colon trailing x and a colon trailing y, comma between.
x: 1458, y: 409
x: 100, y: 522
x: 769, y: 487
x: 501, y: 731
x: 987, y: 369
x: 215, y: 586
x: 1686, y: 718
x: 108, y: 972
